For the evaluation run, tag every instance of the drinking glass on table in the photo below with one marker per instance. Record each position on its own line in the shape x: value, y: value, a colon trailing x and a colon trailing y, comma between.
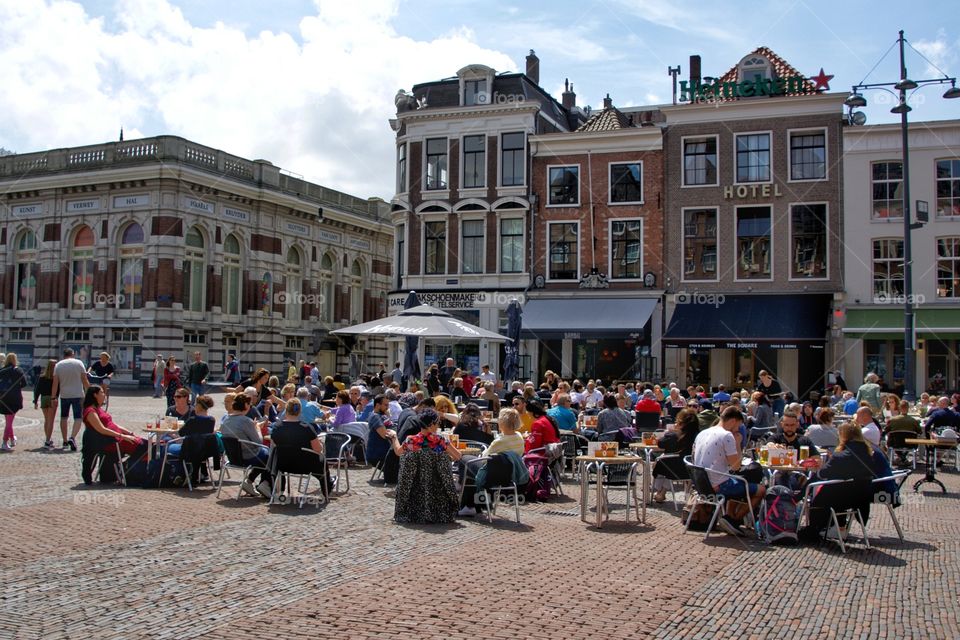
x: 764, y: 455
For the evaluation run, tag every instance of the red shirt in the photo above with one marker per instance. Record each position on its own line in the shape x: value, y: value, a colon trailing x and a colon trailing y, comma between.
x: 648, y: 405
x: 541, y: 434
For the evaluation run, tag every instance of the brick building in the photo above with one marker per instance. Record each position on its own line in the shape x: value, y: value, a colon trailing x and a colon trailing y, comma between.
x: 753, y: 198
x: 595, y: 310
x: 162, y: 245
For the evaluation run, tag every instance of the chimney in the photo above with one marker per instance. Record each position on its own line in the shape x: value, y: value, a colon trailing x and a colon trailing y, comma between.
x: 533, y: 67
x: 694, y: 70
x: 569, y: 98
x: 607, y: 102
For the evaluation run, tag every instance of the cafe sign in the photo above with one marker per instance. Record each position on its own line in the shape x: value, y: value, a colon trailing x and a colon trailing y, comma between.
x: 697, y: 91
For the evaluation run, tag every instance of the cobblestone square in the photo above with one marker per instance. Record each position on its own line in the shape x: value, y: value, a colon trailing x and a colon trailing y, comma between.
x: 109, y: 562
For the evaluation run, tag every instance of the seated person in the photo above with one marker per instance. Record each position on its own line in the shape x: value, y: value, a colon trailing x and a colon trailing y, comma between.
x: 447, y: 412
x: 102, y: 434
x: 648, y: 403
x: 365, y: 407
x: 228, y: 399
x: 293, y: 434
x: 382, y: 434
x: 942, y: 417
x: 237, y: 425
x: 708, y: 416
x: 677, y: 440
x: 425, y: 491
x: 788, y: 434
x: 563, y: 414
x: 612, y: 418
x: 519, y: 404
x: 458, y: 394
x: 824, y: 434
x: 344, y: 412
x: 200, y: 424
x: 310, y: 412
x: 508, y: 439
x: 180, y: 409
x: 717, y: 449
x: 904, y: 421
x: 721, y: 395
x: 542, y: 431
x: 472, y: 427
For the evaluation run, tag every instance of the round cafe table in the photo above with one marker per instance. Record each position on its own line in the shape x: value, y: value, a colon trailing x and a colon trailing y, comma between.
x: 930, y: 447
x: 600, y: 463
x: 647, y: 450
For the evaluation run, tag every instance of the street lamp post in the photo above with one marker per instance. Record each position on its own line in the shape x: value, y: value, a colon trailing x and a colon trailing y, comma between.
x: 902, y: 108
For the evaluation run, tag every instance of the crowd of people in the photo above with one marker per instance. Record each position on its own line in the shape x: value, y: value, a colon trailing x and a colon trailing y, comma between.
x: 403, y: 417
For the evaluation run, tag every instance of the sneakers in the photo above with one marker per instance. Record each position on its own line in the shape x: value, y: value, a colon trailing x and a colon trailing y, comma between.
x: 49, y: 446
x: 467, y: 512
x: 728, y: 525
x: 247, y: 486
x: 5, y: 446
x: 264, y: 489
x: 72, y: 444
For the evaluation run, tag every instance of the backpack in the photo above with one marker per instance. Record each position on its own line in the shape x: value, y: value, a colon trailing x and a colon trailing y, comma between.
x: 780, y: 519
x: 151, y: 479
x: 538, y: 489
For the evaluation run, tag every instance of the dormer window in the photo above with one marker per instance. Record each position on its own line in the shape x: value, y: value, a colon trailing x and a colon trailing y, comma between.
x: 753, y: 67
x: 474, y: 92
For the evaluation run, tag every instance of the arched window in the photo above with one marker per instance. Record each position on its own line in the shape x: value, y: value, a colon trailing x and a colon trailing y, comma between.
x: 327, y: 277
x: 81, y: 258
x: 231, y: 276
x: 28, y: 271
x: 131, y: 267
x: 293, y: 298
x: 356, y: 292
x: 753, y: 66
x: 194, y: 282
x: 266, y: 293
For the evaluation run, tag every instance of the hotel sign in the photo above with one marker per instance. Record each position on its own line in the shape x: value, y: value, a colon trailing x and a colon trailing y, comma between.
x: 751, y: 191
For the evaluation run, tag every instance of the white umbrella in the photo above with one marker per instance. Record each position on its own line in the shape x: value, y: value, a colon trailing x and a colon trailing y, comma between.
x: 423, y: 321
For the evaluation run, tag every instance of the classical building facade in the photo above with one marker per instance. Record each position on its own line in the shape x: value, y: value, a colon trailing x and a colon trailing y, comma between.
x: 872, y: 316
x: 595, y: 310
x: 463, y: 206
x: 753, y: 198
x: 162, y: 245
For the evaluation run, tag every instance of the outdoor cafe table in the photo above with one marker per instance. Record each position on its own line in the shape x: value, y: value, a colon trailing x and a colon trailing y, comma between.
x: 153, y: 436
x: 930, y: 445
x: 601, y: 462
x: 648, y: 450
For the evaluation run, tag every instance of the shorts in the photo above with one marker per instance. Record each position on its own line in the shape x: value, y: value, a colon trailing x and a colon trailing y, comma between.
x: 66, y: 404
x: 734, y: 488
x: 46, y: 402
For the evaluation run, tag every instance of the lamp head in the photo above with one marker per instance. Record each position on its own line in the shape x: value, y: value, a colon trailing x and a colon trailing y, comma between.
x: 952, y: 92
x: 855, y: 100
x: 901, y: 108
x: 905, y: 85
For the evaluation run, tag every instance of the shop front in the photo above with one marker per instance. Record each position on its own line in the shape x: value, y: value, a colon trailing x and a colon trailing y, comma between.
x: 729, y: 339
x: 605, y: 338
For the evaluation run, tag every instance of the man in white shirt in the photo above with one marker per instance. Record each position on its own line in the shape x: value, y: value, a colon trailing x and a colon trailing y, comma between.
x: 717, y: 449
x: 592, y: 396
x: 394, y: 407
x: 486, y: 375
x: 70, y: 383
x: 869, y: 428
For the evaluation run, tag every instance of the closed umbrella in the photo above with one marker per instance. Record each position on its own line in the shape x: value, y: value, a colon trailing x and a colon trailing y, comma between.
x: 411, y: 362
x: 511, y: 362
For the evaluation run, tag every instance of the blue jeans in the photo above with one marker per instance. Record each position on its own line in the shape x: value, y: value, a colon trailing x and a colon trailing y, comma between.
x: 196, y: 389
x: 734, y: 489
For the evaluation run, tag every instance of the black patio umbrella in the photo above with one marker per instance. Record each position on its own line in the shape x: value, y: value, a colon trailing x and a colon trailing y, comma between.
x: 411, y: 363
x: 511, y: 361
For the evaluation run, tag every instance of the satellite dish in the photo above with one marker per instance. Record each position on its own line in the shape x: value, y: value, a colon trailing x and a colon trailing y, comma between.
x: 858, y: 118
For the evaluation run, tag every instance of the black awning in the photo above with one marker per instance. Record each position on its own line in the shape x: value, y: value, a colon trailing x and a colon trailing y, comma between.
x: 577, y: 318
x: 723, y: 321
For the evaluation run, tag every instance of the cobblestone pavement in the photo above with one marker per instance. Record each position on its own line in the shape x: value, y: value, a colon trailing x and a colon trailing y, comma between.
x: 128, y: 563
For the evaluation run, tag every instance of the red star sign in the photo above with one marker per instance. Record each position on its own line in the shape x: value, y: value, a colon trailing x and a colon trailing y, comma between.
x: 822, y: 81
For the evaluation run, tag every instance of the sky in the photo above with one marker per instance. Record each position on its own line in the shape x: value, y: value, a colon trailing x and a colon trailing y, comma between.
x: 310, y: 84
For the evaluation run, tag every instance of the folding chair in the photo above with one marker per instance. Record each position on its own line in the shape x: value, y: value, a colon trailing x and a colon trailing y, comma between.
x: 841, y: 501
x: 573, y: 445
x: 336, y: 448
x: 897, y: 446
x: 301, y: 463
x: 674, y: 470
x: 889, y: 501
x: 182, y: 460
x: 233, y: 448
x: 96, y: 463
x: 646, y: 421
x: 491, y: 494
x: 706, y: 494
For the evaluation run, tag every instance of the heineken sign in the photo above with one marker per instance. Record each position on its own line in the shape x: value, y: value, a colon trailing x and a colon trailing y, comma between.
x: 697, y: 91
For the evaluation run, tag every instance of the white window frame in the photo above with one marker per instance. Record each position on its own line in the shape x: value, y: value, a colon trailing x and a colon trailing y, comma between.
x: 610, y: 166
x: 873, y: 289
x: 736, y: 254
x: 826, y: 246
x: 435, y: 193
x: 875, y: 218
x: 500, y: 160
x: 135, y: 254
x: 610, y: 222
x: 293, y: 285
x: 683, y: 173
x: 356, y: 291
x: 28, y: 258
x: 425, y: 219
x: 826, y: 153
x: 716, y: 235
x: 550, y: 205
x: 193, y: 255
x: 936, y: 266
x: 405, y: 187
x: 501, y: 218
x: 328, y: 287
x: 737, y: 134
x: 85, y: 255
x: 462, y: 163
x: 234, y: 262
x: 936, y: 184
x: 483, y: 246
x: 550, y: 224
x: 400, y: 247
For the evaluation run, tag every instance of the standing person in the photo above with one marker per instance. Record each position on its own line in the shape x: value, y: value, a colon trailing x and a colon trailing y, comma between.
x: 12, y: 381
x: 447, y: 374
x: 232, y: 369
x: 102, y: 372
x: 69, y: 384
x: 869, y: 392
x: 772, y: 390
x: 171, y: 379
x: 43, y: 391
x: 157, y: 376
x: 486, y: 375
x: 397, y: 374
x: 197, y: 374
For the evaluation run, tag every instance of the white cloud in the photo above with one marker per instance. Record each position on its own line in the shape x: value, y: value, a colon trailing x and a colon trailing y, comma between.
x: 940, y: 51
x: 319, y: 108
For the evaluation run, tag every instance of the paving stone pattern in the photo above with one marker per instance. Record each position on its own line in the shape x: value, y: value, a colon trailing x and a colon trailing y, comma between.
x: 109, y: 562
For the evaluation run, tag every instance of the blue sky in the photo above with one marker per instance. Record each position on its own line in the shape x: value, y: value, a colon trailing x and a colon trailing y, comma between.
x: 309, y: 85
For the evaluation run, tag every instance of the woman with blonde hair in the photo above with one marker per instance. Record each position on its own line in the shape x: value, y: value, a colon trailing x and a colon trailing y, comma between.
x: 447, y: 412
x: 12, y: 381
x: 42, y: 391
